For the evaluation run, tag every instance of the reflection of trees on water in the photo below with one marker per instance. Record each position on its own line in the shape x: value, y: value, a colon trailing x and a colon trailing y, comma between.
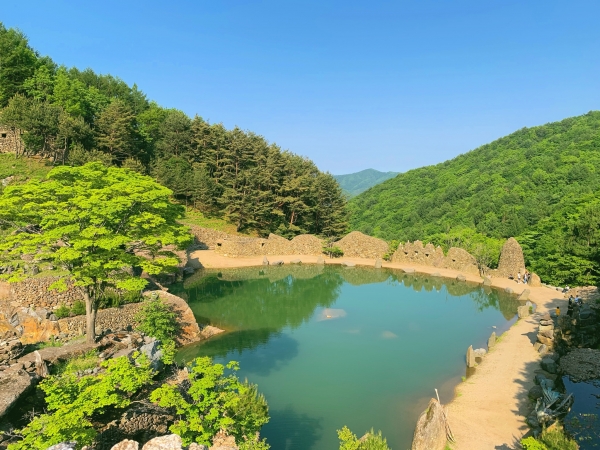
x: 491, y: 298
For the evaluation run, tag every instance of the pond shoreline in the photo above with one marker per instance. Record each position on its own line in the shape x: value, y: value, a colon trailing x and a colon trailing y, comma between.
x: 489, y: 409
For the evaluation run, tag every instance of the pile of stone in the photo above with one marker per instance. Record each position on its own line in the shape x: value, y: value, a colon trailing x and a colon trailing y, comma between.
x: 511, y: 260
x: 10, y: 350
x: 545, y: 337
x: 207, y: 238
x: 429, y: 255
x: 359, y: 245
x: 306, y: 244
x: 580, y: 329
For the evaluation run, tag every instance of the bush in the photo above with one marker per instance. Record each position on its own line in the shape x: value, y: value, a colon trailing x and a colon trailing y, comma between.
x: 62, y: 311
x: 333, y: 252
x: 110, y: 299
x: 212, y: 400
x: 554, y: 439
x: 531, y: 443
x: 78, y: 308
x: 373, y: 441
x: 157, y: 320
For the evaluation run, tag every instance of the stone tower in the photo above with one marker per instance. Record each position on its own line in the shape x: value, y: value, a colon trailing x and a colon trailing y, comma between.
x: 511, y: 259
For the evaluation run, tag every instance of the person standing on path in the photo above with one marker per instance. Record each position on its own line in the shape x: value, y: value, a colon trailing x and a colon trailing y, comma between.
x: 519, y: 277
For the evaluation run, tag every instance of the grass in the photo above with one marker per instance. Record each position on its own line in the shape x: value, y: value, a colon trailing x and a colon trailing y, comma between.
x: 86, y: 361
x: 195, y: 217
x: 23, y: 168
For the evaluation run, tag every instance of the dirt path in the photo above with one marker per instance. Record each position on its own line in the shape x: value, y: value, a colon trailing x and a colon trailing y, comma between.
x: 489, y: 409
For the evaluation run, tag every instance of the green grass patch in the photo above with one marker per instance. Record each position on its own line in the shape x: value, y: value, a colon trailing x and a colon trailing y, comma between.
x: 86, y: 361
x: 23, y: 168
x: 195, y: 217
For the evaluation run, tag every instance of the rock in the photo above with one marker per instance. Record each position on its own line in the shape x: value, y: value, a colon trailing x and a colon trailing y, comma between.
x: 471, y: 357
x: 549, y: 365
x: 153, y: 353
x: 547, y: 322
x: 13, y: 384
x: 509, y: 290
x: 547, y: 333
x: 64, y: 446
x: 320, y: 260
x: 188, y: 270
x: 549, y: 342
x: 436, y: 274
x: 194, y: 446
x: 524, y: 295
x: 430, y: 432
x: 265, y: 261
x: 492, y: 340
x: 546, y: 328
x: 209, y: 331
x: 523, y: 311
x: 545, y: 316
x: 479, y: 352
x: 359, y: 245
x: 348, y: 264
x: 123, y: 352
x: 409, y: 270
x: 543, y: 349
x: 487, y: 281
x: 295, y: 261
x: 222, y: 441
x: 461, y: 277
x: 511, y: 260
x: 535, y: 281
x: 535, y: 392
x: 581, y: 364
x: 277, y: 263
x: 168, y: 442
x: 536, y: 346
x: 53, y: 318
x: 127, y: 444
x: 378, y: 263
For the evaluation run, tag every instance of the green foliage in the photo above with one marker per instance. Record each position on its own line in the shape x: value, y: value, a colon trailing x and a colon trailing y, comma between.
x: 156, y: 319
x: 76, y: 364
x: 62, y: 311
x: 538, y: 184
x: 254, y: 444
x: 372, y: 441
x: 78, y: 308
x: 212, y: 401
x: 554, y: 439
x: 333, y: 251
x: 393, y: 246
x: 95, y: 221
x: 72, y: 402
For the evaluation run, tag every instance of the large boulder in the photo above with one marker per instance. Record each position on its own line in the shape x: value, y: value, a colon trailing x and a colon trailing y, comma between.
x: 471, y: 357
x: 189, y: 331
x: 127, y: 444
x: 535, y: 281
x: 430, y: 432
x: 511, y: 259
x: 168, y: 442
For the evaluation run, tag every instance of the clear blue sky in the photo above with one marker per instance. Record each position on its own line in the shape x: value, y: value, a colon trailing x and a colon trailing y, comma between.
x: 350, y: 84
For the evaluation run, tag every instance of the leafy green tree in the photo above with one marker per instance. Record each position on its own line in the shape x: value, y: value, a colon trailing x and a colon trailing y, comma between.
x: 73, y: 401
x: 98, y: 223
x: 213, y: 401
x: 115, y: 131
x: 18, y: 62
x: 156, y: 319
x: 372, y: 440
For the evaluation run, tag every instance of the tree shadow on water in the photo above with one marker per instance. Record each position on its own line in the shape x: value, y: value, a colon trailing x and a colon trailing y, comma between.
x: 288, y: 430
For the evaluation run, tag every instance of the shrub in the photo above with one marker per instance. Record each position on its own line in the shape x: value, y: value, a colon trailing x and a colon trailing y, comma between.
x: 110, y: 299
x: 62, y: 311
x: 554, y: 439
x: 333, y: 252
x: 531, y: 443
x: 157, y: 320
x: 372, y: 441
x: 78, y: 308
x: 76, y: 364
x: 212, y: 400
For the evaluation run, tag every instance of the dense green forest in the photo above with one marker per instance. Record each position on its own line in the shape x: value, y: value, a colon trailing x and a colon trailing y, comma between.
x: 539, y: 184
x: 353, y: 184
x: 73, y: 117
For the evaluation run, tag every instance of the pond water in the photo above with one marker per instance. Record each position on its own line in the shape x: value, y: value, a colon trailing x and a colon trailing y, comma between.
x: 332, y: 346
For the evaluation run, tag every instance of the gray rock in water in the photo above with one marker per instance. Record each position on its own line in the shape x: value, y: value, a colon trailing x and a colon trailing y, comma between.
x: 277, y: 263
x: 471, y: 357
x: 523, y: 311
x: 320, y: 260
x: 487, y: 281
x: 535, y: 392
x: 265, y: 261
x: 549, y: 365
x: 461, y: 277
x: 409, y: 270
x: 430, y: 432
x: 492, y: 340
x: 154, y: 354
x: 168, y: 442
x: 509, y: 290
x: 295, y: 261
x: 378, y: 263
x: 480, y: 352
x: 127, y: 444
x: 64, y: 446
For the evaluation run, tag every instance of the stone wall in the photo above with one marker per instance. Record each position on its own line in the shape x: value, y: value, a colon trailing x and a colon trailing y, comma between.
x: 10, y: 140
x: 34, y: 293
x: 236, y: 246
x: 359, y: 245
x: 428, y: 255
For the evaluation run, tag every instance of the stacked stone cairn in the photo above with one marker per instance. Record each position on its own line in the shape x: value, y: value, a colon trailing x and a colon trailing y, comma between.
x: 545, y: 336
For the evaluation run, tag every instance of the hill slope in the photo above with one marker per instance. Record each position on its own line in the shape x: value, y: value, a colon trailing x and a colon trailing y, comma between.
x: 540, y: 184
x: 356, y: 183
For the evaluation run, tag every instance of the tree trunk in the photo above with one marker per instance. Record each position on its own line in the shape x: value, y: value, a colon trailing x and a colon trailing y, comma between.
x: 90, y: 316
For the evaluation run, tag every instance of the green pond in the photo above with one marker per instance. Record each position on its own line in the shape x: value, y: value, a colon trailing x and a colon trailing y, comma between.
x: 331, y: 346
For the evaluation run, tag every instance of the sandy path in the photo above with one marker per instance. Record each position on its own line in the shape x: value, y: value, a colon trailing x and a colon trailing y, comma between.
x: 489, y: 410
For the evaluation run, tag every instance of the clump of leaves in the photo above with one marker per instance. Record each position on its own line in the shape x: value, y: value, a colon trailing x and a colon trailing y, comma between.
x: 554, y: 439
x: 62, y: 311
x: 333, y: 251
x: 76, y: 364
x: 72, y: 401
x: 214, y: 400
x: 372, y: 441
x: 156, y: 319
x: 78, y: 308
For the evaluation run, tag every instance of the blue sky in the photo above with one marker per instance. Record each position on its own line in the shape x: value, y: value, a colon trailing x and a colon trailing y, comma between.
x: 350, y: 84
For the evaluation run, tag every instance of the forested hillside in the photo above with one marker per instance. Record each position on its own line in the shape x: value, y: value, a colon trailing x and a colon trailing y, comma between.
x: 355, y: 183
x: 541, y: 185
x: 73, y: 117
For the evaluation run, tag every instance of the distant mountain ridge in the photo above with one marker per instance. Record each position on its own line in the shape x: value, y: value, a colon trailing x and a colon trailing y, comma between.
x: 356, y: 183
